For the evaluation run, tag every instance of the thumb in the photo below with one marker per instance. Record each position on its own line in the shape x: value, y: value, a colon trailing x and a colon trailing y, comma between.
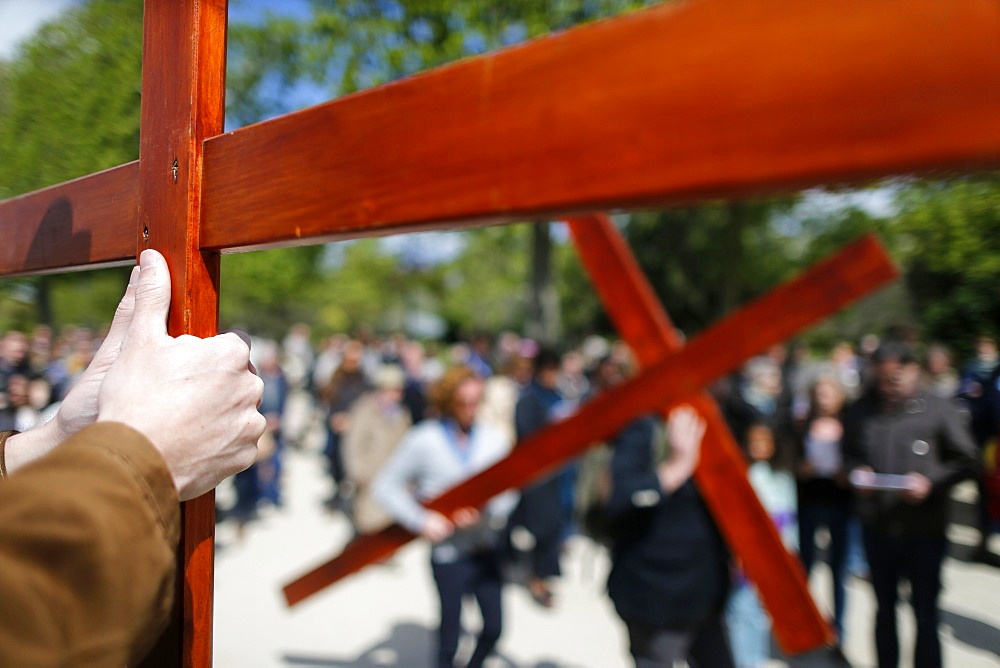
x: 123, y: 314
x: 152, y: 296
x: 112, y: 343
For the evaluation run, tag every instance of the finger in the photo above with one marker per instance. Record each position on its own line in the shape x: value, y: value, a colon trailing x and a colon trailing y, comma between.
x: 240, y: 333
x: 152, y: 296
x: 123, y: 318
x: 234, y: 346
x: 246, y: 339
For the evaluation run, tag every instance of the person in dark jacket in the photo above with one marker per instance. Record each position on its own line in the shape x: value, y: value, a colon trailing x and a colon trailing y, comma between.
x: 669, y: 578
x: 905, y: 448
x: 536, y: 526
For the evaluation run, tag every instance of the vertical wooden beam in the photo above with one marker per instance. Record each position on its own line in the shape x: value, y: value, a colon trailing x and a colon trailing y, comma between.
x: 183, y: 103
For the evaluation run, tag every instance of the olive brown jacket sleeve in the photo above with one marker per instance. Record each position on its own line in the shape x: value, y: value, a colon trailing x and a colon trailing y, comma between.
x: 88, y: 535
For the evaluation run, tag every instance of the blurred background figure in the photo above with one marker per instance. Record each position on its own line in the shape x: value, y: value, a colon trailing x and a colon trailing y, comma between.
x: 771, y: 477
x: 759, y: 397
x: 346, y: 385
x: 825, y: 498
x: 480, y: 354
x: 261, y: 481
x: 979, y: 395
x: 501, y: 392
x: 537, y: 527
x: 298, y: 357
x: 670, y: 567
x: 269, y: 462
x: 848, y: 368
x: 939, y: 376
x: 18, y: 414
x: 413, y: 359
x: 378, y: 421
x: 466, y: 557
x: 986, y: 430
x: 977, y: 371
x: 13, y: 357
x: 897, y: 428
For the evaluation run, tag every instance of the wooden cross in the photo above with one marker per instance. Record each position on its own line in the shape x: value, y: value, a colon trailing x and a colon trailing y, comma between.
x: 667, y: 380
x: 699, y: 99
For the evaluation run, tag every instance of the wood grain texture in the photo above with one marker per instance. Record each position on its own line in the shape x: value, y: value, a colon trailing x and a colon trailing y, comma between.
x: 682, y: 102
x: 88, y: 222
x: 631, y: 303
x: 183, y: 99
x: 823, y: 289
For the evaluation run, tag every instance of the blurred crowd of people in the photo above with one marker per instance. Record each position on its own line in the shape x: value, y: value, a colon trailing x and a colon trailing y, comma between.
x: 789, y: 410
x: 807, y: 421
x: 37, y: 369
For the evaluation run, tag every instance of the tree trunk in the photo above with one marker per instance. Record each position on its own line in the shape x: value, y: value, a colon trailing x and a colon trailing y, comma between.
x: 543, y: 319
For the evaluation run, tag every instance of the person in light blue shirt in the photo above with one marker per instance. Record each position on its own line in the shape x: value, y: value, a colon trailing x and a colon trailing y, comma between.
x: 432, y: 457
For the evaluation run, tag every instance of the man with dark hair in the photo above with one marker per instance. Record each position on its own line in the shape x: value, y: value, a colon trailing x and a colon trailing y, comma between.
x: 905, y: 448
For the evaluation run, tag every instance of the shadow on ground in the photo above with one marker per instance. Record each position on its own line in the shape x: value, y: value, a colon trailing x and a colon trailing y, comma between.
x: 407, y: 645
x: 973, y: 632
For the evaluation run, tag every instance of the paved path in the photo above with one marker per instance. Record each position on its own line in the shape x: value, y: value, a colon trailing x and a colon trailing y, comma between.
x: 384, y: 616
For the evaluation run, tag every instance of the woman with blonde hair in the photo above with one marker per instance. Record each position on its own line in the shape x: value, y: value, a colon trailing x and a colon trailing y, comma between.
x: 434, y: 456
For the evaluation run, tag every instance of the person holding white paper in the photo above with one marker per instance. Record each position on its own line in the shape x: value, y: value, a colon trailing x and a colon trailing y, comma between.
x: 897, y: 429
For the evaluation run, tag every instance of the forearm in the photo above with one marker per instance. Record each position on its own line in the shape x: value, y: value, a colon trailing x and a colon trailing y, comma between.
x: 675, y: 472
x: 391, y: 490
x: 87, y: 542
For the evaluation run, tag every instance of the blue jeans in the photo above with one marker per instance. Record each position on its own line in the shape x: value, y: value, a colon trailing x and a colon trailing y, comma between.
x: 857, y: 563
x: 749, y: 627
x: 478, y: 574
x: 835, y: 518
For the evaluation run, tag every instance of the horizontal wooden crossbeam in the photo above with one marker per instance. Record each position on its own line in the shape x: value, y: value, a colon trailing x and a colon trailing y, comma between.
x: 688, y: 101
x: 829, y: 285
x: 88, y: 222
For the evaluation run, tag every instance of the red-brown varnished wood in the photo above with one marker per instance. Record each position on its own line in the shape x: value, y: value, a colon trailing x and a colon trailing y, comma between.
x: 87, y: 222
x: 675, y: 104
x: 183, y: 97
x: 829, y: 285
x: 684, y: 101
x: 679, y: 102
x: 721, y: 474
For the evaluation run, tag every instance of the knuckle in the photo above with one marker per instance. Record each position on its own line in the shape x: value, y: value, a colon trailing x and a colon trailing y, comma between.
x: 247, y: 457
x: 232, y: 348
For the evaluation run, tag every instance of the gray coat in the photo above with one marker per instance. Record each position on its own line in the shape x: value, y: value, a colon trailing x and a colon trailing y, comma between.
x: 925, y: 435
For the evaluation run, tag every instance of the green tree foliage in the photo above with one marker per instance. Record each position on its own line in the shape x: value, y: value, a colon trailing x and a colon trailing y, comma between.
x: 705, y: 261
x: 366, y: 289
x: 69, y: 106
x: 348, y: 45
x: 265, y: 291
x: 818, y: 231
x: 949, y: 241
x: 582, y: 312
x: 69, y: 103
x: 486, y: 287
